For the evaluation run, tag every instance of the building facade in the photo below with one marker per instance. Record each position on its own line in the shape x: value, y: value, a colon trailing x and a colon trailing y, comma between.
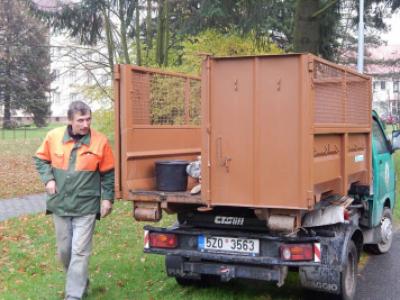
x: 80, y: 73
x: 383, y: 64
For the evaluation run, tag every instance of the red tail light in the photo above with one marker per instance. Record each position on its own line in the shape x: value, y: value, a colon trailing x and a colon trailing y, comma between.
x: 297, y: 252
x: 163, y: 240
x: 346, y: 215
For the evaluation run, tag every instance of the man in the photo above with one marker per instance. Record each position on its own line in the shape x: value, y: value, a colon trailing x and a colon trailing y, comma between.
x: 77, y: 167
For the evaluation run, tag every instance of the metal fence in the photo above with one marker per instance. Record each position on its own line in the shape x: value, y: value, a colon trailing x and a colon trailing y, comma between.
x: 103, y: 121
x: 23, y: 133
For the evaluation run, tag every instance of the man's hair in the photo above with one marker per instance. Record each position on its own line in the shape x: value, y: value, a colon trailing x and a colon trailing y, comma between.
x: 78, y: 106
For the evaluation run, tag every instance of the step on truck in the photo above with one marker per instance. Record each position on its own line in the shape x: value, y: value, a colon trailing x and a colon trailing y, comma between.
x: 297, y: 173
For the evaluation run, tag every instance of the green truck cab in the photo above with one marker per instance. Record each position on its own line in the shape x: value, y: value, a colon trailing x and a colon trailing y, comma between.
x: 383, y: 198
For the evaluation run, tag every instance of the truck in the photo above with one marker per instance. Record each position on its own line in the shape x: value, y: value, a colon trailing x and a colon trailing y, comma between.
x: 297, y: 173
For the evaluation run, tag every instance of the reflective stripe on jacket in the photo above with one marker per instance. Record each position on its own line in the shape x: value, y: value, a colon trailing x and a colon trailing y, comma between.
x: 83, y: 171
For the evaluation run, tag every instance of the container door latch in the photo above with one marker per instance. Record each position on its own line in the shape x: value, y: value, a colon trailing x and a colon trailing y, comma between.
x: 223, y: 161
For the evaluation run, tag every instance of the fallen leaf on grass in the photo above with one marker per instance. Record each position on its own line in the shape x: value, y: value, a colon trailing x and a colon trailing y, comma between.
x: 100, y: 290
x: 120, y: 283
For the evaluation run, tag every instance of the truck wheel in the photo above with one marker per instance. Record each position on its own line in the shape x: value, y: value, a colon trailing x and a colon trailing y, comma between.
x: 349, y: 273
x: 386, y: 227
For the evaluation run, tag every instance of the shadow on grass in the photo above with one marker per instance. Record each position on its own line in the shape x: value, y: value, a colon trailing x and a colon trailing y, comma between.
x: 254, y: 289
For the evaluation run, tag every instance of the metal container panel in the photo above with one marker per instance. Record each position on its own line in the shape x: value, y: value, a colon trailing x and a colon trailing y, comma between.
x: 283, y: 131
x: 157, y: 118
x: 255, y: 140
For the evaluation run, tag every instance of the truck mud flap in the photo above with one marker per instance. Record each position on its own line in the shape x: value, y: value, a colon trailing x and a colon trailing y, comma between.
x: 178, y: 266
x: 322, y: 278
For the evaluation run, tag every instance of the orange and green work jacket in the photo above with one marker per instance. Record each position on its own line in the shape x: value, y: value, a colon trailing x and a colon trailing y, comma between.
x: 83, y: 171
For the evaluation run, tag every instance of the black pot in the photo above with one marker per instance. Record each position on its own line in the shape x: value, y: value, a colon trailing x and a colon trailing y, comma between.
x: 171, y: 175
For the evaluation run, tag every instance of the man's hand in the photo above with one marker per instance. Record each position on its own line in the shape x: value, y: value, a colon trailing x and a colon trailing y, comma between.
x: 106, y: 208
x: 51, y: 187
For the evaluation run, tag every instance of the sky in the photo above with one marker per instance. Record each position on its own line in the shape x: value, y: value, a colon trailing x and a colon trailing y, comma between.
x: 393, y: 37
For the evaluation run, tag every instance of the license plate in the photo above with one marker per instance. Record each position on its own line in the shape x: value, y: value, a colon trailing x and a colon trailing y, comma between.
x: 229, y: 245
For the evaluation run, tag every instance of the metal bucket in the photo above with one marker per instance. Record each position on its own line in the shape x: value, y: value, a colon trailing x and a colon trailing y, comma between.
x: 171, y: 175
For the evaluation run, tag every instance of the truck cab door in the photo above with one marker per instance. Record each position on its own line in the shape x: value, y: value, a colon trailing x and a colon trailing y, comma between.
x: 383, y: 171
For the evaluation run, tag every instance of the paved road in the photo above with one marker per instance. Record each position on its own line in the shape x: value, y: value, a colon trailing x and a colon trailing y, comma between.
x: 379, y: 280
x: 10, y: 208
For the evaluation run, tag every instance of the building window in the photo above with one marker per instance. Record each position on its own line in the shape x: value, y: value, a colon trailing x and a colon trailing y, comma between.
x: 56, y: 73
x: 72, y: 76
x: 376, y: 85
x: 57, y: 97
x: 383, y: 85
x: 73, y: 96
x: 395, y: 86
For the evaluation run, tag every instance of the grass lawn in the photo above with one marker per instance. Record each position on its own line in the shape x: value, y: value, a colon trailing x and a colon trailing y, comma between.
x: 17, y: 172
x: 18, y: 175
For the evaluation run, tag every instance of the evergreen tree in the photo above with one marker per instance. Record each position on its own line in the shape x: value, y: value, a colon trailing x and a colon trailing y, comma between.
x: 24, y: 63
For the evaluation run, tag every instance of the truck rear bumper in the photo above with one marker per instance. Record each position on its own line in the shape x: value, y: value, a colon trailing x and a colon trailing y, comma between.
x: 187, y: 259
x: 317, y: 277
x: 269, y: 247
x: 230, y: 259
x: 177, y: 266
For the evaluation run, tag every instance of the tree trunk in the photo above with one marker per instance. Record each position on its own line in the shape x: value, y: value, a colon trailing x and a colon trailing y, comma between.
x: 306, y: 27
x: 166, y: 34
x: 7, y: 109
x: 160, y: 31
x: 137, y: 35
x: 162, y: 34
x: 7, y: 90
x: 124, y: 42
x: 149, y: 33
x: 110, y: 41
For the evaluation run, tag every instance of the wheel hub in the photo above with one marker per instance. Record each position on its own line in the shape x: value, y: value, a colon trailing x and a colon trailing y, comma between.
x: 386, y: 229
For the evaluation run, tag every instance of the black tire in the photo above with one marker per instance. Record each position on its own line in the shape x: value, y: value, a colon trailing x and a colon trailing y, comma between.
x: 386, y: 227
x: 348, y: 277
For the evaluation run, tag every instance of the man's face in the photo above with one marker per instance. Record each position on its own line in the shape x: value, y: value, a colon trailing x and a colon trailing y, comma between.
x: 81, y: 123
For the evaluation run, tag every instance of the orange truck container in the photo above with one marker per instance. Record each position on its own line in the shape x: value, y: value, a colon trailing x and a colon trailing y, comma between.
x: 296, y: 170
x: 278, y: 132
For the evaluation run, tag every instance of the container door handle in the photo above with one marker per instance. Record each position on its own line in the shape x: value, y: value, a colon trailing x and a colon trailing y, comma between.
x: 222, y: 161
